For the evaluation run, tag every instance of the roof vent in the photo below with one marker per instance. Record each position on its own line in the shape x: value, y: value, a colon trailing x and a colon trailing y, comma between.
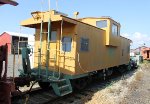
x: 59, y: 13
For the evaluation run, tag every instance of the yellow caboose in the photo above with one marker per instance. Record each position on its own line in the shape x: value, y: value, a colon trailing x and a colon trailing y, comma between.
x: 70, y: 50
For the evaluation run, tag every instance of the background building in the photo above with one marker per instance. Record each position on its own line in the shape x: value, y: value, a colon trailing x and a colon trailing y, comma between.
x: 141, y: 51
x: 145, y: 52
x: 16, y: 41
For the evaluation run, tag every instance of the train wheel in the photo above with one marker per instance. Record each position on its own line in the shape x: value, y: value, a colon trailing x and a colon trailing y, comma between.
x: 122, y: 69
x: 80, y: 83
x: 109, y: 72
x: 129, y: 67
x: 89, y: 80
x: 44, y: 85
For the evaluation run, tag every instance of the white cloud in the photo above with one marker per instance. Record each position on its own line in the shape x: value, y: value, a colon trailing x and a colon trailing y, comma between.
x: 138, y: 39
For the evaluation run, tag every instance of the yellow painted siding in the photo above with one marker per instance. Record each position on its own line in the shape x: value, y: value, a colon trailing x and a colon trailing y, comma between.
x: 99, y: 55
x: 58, y: 60
x: 125, y: 49
x: 110, y: 39
x: 87, y: 60
x: 113, y: 39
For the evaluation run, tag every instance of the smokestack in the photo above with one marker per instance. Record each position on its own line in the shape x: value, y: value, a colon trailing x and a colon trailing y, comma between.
x: 76, y: 14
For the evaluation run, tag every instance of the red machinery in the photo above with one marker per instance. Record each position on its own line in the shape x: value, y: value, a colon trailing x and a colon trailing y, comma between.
x: 9, y: 86
x: 6, y: 85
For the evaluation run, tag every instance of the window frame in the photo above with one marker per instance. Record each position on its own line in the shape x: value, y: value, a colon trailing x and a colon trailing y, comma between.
x: 82, y: 39
x: 113, y: 31
x: 51, y: 36
x: 102, y: 25
x: 63, y: 44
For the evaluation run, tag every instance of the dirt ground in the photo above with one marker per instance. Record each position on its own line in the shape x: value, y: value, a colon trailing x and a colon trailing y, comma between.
x: 141, y: 95
x: 132, y: 89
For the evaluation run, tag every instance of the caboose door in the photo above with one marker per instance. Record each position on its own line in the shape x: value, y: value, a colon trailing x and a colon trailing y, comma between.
x: 53, y: 50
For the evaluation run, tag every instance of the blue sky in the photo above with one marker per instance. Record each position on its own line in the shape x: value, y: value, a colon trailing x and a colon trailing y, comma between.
x: 133, y: 15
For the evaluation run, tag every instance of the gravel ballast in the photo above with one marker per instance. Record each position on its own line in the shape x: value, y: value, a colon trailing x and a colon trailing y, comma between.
x: 132, y: 89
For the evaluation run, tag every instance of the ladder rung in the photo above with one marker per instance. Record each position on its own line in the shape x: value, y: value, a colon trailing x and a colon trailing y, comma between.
x: 69, y: 66
x: 63, y: 56
x: 44, y: 32
x: 61, y: 62
x: 52, y: 42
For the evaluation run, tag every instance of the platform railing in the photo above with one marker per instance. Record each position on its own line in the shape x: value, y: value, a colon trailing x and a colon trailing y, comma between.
x: 56, y: 61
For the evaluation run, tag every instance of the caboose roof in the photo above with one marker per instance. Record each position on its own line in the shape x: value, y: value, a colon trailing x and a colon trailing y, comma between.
x: 55, y: 16
x: 126, y: 38
x: 103, y: 17
x: 45, y: 16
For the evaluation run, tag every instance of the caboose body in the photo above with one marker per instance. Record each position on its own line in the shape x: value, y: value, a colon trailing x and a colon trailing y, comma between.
x: 67, y: 48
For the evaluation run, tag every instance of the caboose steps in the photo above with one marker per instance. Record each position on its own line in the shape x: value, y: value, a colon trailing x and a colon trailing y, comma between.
x: 62, y: 87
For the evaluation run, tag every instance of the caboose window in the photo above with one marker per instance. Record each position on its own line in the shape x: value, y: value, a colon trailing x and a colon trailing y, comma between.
x: 53, y: 36
x: 66, y: 43
x: 101, y: 24
x: 114, y: 29
x: 84, y: 44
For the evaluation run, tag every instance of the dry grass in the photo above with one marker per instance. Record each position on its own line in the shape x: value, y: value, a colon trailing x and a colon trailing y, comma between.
x: 101, y: 99
x: 138, y: 75
x: 132, y: 84
x: 117, y: 93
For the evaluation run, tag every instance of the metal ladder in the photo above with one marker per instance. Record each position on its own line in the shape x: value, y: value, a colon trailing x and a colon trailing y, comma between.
x: 60, y: 84
x: 48, y: 48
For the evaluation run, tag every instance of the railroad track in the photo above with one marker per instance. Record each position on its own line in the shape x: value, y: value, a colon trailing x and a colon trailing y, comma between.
x: 38, y: 96
x: 41, y: 96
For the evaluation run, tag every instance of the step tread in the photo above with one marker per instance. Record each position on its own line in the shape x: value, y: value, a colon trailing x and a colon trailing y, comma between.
x: 64, y: 86
x: 65, y: 93
x: 57, y: 80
